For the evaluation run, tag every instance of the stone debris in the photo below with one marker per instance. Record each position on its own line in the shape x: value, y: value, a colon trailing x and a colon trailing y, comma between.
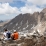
x: 34, y: 39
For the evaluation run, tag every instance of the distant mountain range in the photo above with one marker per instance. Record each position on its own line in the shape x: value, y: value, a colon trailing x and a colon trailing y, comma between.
x: 1, y: 21
x: 27, y: 21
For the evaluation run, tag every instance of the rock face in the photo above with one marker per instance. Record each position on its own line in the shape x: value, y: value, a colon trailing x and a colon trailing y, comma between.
x: 22, y: 22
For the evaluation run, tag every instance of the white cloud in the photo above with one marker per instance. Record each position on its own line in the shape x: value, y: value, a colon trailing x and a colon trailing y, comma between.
x: 10, y: 1
x: 6, y: 9
x: 37, y: 2
x: 30, y: 9
x: 31, y: 6
x: 3, y: 1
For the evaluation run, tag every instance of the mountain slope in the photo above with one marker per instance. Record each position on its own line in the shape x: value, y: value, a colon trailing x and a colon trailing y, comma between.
x: 22, y: 21
x: 27, y: 21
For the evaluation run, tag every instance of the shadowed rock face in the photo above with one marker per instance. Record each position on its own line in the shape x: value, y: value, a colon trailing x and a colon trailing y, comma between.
x: 22, y: 22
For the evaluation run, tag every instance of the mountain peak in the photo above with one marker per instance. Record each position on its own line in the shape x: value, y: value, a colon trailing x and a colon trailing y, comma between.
x: 44, y: 10
x: 23, y: 22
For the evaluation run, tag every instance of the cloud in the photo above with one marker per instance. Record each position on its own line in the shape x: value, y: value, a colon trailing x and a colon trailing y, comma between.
x: 31, y: 6
x: 34, y: 2
x: 4, y: 1
x: 10, y: 1
x: 37, y: 2
x: 30, y: 9
x: 6, y: 9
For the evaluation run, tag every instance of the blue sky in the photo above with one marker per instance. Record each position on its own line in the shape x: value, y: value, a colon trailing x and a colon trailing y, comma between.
x: 11, y: 8
x: 17, y: 4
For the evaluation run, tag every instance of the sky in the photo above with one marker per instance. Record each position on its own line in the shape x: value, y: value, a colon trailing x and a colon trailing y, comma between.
x: 11, y: 8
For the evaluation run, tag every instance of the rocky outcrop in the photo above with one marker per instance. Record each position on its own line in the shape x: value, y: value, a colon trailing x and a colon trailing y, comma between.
x: 32, y: 40
x: 22, y: 22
